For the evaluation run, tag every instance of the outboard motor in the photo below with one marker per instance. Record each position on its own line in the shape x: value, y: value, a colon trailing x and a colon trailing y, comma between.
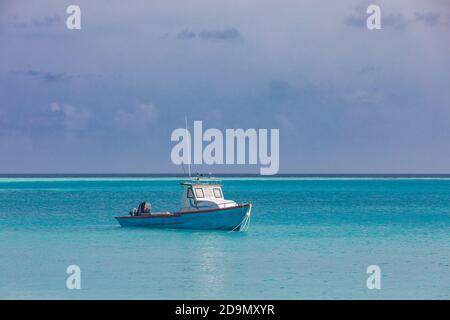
x: 140, y: 208
x: 144, y: 207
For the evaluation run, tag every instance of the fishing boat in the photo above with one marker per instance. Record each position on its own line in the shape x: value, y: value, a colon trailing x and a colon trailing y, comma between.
x: 203, y: 207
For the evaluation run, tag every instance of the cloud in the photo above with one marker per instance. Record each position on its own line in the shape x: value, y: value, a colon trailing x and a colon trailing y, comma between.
x: 365, y: 96
x: 46, y: 21
x: 368, y: 70
x: 396, y: 21
x: 285, y: 122
x: 282, y: 90
x: 54, y: 107
x: 74, y: 119
x: 227, y: 34
x: 356, y: 21
x: 51, y: 77
x: 430, y: 18
x: 186, y: 34
x: 137, y: 119
x: 324, y: 92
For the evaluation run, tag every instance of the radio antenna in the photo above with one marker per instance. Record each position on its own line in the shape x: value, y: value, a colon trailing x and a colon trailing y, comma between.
x: 188, y: 147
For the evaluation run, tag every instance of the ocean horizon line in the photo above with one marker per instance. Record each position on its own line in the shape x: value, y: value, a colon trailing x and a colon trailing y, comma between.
x: 225, y: 175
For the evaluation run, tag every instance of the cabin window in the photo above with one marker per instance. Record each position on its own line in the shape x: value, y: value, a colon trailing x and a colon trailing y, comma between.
x: 217, y: 193
x: 199, y: 193
x: 189, y: 193
x: 208, y: 192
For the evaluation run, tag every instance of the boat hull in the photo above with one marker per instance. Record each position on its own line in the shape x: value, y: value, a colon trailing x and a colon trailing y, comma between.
x: 211, y: 219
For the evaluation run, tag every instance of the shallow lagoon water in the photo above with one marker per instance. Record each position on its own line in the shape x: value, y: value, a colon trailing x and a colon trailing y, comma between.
x: 308, y: 239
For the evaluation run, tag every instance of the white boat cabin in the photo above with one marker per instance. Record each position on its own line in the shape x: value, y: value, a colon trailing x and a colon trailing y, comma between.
x: 203, y: 196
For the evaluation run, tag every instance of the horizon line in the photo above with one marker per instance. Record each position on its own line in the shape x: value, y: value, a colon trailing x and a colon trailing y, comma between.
x: 43, y: 175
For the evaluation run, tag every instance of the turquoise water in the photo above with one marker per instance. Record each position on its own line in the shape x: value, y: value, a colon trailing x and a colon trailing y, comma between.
x: 308, y: 239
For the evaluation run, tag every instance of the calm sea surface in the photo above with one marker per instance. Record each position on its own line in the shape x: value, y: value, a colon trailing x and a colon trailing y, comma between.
x: 308, y: 238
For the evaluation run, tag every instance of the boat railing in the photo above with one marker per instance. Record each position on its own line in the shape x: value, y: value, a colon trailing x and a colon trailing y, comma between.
x: 202, y: 180
x: 224, y: 204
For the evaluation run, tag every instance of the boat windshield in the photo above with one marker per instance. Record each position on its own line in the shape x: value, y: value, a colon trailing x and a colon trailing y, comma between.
x: 204, y: 189
x: 208, y: 192
x: 218, y: 193
x: 199, y: 193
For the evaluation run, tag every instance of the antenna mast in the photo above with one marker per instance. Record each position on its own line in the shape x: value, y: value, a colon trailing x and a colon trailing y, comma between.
x: 189, y: 148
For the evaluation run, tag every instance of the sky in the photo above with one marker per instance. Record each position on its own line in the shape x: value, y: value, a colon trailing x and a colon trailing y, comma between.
x: 105, y: 99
